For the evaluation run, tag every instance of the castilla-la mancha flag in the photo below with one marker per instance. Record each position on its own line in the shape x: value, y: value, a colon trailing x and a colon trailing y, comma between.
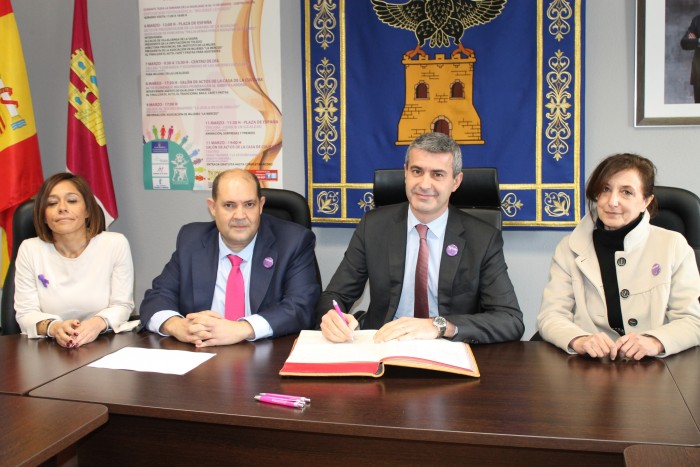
x: 86, y: 152
x: 20, y: 164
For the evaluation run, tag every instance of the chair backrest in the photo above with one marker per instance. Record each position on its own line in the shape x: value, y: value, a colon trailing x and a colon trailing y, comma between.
x: 287, y: 205
x: 679, y: 210
x: 22, y: 229
x: 290, y: 206
x: 478, y: 194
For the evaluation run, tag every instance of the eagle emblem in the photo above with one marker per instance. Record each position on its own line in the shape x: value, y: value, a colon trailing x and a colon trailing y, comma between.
x: 438, y: 20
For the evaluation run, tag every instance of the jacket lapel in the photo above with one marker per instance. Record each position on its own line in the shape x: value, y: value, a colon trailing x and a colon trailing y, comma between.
x: 581, y: 243
x: 396, y: 233
x: 260, y: 277
x: 455, y: 235
x: 205, y: 264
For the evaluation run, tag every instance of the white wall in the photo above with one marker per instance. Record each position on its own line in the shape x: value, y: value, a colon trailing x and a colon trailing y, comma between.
x: 151, y: 219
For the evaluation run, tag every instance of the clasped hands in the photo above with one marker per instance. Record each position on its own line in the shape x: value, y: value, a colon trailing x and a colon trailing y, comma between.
x: 207, y: 329
x: 334, y: 328
x: 73, y: 333
x: 634, y: 346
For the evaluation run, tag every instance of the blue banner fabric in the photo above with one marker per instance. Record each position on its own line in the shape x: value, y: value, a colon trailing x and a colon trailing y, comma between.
x: 504, y: 78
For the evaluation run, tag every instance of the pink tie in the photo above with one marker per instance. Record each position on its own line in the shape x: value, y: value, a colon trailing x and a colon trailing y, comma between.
x: 420, y: 300
x: 235, y: 291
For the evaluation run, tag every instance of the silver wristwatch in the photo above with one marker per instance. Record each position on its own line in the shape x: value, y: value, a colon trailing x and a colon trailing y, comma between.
x: 440, y: 324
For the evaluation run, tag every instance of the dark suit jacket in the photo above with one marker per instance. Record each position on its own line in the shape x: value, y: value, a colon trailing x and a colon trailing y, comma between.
x: 474, y: 290
x: 285, y: 294
x: 692, y: 44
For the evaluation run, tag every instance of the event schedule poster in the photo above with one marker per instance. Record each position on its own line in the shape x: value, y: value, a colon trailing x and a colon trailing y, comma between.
x: 210, y: 91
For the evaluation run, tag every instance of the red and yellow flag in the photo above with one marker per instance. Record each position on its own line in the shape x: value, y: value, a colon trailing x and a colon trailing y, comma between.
x: 20, y: 162
x: 86, y: 152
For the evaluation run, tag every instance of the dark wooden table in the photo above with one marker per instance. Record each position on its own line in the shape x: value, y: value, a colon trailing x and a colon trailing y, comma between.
x: 533, y: 404
x: 685, y: 370
x: 28, y: 363
x: 35, y: 430
x: 653, y: 455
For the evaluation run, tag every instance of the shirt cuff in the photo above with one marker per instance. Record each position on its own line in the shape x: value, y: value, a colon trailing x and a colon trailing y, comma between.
x: 157, y: 320
x: 260, y: 326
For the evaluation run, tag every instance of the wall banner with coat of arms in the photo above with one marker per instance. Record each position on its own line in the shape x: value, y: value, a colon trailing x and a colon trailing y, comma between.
x: 504, y: 78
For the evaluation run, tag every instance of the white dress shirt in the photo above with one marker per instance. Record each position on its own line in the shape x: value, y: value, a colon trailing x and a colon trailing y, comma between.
x: 435, y: 238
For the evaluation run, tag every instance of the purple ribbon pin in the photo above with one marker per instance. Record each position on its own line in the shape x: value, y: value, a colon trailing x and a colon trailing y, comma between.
x: 656, y: 269
x: 44, y: 280
x: 268, y: 262
x: 451, y: 250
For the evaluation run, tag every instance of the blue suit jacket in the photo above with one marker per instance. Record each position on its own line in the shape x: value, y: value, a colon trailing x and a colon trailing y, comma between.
x: 285, y: 294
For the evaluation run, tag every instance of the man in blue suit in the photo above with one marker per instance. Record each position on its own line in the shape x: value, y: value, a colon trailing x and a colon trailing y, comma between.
x: 187, y: 300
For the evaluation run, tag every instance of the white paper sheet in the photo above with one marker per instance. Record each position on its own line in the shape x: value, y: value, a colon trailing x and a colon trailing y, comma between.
x: 176, y: 362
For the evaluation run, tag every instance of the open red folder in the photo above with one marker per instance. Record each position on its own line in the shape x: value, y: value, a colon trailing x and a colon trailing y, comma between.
x: 313, y: 355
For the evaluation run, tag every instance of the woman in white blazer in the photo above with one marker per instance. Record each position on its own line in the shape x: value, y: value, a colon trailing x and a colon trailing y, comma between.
x: 618, y: 286
x: 74, y: 280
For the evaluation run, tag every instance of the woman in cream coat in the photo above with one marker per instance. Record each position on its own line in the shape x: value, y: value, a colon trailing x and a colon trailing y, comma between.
x: 620, y: 287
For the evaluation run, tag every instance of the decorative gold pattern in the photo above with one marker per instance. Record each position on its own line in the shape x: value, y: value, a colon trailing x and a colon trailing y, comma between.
x: 559, y: 11
x: 325, y: 22
x: 367, y: 202
x: 326, y: 108
x: 557, y: 204
x: 558, y: 129
x: 327, y: 202
x: 510, y: 205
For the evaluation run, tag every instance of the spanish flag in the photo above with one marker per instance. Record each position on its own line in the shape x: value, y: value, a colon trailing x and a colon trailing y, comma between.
x: 86, y: 152
x: 20, y: 162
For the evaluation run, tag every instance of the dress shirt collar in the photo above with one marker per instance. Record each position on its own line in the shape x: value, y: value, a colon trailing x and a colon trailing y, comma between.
x: 437, y: 226
x: 246, y: 254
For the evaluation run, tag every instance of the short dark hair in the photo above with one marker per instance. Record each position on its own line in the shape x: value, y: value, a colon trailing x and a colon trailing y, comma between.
x: 437, y: 143
x: 617, y: 163
x: 95, y: 222
x: 251, y: 175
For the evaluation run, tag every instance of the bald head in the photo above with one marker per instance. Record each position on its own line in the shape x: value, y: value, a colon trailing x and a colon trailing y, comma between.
x: 231, y: 174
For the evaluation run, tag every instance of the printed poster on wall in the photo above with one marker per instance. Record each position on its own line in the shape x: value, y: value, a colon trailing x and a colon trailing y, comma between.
x: 211, y: 91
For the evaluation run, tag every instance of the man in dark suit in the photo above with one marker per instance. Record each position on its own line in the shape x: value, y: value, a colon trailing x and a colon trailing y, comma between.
x: 278, y: 276
x: 691, y: 41
x: 469, y: 294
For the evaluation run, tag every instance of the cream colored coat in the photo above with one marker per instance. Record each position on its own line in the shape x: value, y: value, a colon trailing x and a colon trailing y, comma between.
x: 657, y: 268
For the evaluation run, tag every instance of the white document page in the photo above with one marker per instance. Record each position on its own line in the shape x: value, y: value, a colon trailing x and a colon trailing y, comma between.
x: 176, y: 362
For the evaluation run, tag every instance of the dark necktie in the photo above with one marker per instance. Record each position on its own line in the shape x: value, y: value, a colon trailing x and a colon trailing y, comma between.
x: 420, y: 301
x: 235, y: 291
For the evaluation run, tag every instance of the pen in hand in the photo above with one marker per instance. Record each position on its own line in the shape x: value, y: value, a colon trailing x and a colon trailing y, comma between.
x: 340, y: 313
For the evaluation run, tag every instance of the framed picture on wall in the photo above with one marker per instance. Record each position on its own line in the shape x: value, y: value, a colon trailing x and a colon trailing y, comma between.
x: 667, y: 63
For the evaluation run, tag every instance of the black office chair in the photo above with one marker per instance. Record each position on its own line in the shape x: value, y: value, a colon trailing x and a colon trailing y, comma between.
x: 287, y: 205
x: 290, y: 206
x: 679, y: 210
x: 478, y: 194
x: 22, y: 229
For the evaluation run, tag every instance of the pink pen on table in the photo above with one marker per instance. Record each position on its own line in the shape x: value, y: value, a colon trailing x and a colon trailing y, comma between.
x: 281, y: 401
x: 286, y: 396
